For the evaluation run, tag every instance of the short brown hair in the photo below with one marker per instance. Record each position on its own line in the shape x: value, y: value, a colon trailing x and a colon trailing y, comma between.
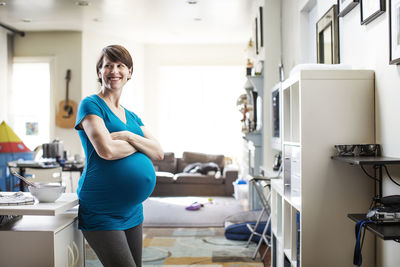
x: 115, y: 53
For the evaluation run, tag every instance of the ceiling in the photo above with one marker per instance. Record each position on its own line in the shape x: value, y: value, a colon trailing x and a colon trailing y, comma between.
x: 147, y: 21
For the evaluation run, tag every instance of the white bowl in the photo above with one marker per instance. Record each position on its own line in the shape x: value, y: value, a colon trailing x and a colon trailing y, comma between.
x: 47, y: 193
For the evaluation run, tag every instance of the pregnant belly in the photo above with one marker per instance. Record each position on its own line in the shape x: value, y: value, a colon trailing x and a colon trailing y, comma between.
x: 126, y: 181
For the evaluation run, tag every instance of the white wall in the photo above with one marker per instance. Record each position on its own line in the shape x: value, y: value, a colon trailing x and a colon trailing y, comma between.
x: 3, y: 74
x: 65, y: 47
x: 169, y: 55
x: 368, y: 47
x: 365, y: 47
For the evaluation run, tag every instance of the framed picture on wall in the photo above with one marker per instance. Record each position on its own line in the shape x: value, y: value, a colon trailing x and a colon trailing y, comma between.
x: 371, y: 9
x: 328, y: 37
x: 394, y: 31
x: 345, y: 6
x: 260, y: 21
x: 256, y: 36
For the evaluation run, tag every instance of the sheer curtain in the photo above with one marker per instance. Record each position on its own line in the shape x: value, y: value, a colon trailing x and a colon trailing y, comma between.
x: 197, y: 109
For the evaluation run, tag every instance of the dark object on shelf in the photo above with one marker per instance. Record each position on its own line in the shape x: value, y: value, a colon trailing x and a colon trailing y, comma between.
x: 277, y: 162
x: 387, y: 231
x: 385, y: 209
x: 358, y: 150
x: 392, y: 201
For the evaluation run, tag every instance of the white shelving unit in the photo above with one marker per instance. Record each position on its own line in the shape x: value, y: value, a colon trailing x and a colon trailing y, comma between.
x: 321, y: 108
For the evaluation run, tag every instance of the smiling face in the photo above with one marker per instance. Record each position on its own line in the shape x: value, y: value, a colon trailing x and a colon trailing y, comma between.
x: 114, y: 75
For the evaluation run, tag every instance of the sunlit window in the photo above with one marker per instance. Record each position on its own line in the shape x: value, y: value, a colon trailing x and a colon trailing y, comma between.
x: 197, y: 109
x: 29, y: 107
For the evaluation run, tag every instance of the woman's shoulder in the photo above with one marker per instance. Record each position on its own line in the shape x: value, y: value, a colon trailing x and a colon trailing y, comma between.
x: 90, y: 100
x: 93, y: 98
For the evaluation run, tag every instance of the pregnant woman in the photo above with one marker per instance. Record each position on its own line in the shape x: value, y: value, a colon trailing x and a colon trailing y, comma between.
x: 119, y: 174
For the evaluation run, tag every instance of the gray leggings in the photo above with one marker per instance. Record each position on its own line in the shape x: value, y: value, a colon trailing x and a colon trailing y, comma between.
x: 117, y: 248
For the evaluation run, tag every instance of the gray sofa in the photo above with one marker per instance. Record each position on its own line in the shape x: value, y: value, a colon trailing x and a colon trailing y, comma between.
x: 172, y: 181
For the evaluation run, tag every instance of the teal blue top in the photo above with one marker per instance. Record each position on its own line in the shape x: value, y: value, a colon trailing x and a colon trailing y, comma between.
x: 111, y: 192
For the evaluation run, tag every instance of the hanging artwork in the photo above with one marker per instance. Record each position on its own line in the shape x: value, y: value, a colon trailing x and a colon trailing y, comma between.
x: 31, y: 128
x: 328, y: 37
x: 394, y: 31
x: 345, y: 6
x: 371, y: 9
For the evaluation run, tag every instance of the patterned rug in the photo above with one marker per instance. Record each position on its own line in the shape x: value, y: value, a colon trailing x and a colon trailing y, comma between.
x: 201, y: 247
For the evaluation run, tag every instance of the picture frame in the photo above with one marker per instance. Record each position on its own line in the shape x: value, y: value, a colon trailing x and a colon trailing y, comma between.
x: 260, y: 20
x: 371, y: 9
x: 328, y: 37
x: 256, y: 35
x: 345, y: 6
x: 394, y: 32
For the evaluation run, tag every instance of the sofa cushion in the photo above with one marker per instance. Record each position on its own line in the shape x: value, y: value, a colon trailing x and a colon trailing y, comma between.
x: 168, y: 164
x: 196, y: 178
x: 165, y: 177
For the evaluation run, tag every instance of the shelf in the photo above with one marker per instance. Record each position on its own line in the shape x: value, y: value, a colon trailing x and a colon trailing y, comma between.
x: 388, y: 231
x: 291, y: 143
x: 258, y: 83
x: 368, y: 160
x: 377, y: 162
x: 255, y: 137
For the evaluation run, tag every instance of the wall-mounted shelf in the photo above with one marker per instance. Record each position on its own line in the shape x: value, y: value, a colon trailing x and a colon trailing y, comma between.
x: 368, y: 160
x: 255, y: 137
x: 258, y: 83
x: 387, y: 231
x: 376, y: 162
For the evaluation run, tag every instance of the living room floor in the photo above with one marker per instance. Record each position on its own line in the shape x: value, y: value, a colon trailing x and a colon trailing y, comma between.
x: 202, y: 247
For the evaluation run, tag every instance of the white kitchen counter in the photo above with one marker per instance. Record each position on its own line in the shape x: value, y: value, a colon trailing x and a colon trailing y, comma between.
x: 65, y: 202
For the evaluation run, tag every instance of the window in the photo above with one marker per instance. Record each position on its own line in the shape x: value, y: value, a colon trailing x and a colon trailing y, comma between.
x: 29, y: 101
x: 197, y: 109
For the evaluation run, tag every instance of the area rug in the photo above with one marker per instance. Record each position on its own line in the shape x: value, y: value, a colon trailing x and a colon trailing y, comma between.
x: 193, y: 247
x: 171, y: 212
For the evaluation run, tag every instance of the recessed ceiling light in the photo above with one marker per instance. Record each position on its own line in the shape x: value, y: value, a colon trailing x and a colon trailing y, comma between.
x: 191, y: 2
x: 3, y: 3
x: 26, y: 20
x: 82, y: 3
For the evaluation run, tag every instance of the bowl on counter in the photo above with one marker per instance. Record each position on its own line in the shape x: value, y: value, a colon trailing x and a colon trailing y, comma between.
x: 46, y: 193
x: 358, y: 150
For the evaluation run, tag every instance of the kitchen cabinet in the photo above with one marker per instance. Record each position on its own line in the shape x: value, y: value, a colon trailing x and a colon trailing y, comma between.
x: 46, y: 235
x: 42, y: 241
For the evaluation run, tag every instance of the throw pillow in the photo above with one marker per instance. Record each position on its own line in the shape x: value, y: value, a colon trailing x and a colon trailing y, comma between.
x: 192, y: 168
x: 208, y: 167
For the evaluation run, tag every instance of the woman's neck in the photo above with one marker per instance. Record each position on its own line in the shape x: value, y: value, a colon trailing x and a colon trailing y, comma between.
x: 112, y: 98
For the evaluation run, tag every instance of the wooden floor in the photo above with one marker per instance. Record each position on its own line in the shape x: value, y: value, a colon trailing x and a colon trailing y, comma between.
x: 267, y: 258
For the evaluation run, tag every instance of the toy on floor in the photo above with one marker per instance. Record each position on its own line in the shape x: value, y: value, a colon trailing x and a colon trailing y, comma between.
x: 196, y: 205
